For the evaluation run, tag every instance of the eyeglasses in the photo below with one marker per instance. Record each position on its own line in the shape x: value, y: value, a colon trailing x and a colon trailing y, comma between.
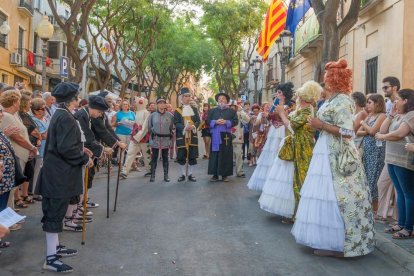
x: 41, y: 109
x: 384, y: 88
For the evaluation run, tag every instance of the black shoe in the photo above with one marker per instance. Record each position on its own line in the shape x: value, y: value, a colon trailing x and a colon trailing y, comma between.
x: 148, y: 174
x: 166, y: 178
x: 192, y: 178
x: 152, y: 179
x: 62, y: 251
x: 214, y: 178
x: 181, y: 178
x: 53, y: 263
x: 124, y: 176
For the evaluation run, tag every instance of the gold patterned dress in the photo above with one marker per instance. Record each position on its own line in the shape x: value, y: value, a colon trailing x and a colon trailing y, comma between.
x: 334, y: 211
x: 280, y: 193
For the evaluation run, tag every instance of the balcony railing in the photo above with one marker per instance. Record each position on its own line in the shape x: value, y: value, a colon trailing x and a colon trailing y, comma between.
x: 26, y: 4
x: 35, y: 64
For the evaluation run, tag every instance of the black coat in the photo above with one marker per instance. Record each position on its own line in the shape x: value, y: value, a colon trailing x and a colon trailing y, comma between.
x: 103, y: 130
x: 179, y: 127
x: 61, y: 174
x: 85, y: 122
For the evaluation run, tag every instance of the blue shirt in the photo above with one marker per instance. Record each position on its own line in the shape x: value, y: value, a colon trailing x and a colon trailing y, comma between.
x: 126, y: 127
x: 42, y: 126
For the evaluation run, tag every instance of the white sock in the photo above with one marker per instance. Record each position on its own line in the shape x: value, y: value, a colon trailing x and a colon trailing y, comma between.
x: 69, y: 211
x: 190, y: 170
x: 52, y: 241
x: 183, y: 170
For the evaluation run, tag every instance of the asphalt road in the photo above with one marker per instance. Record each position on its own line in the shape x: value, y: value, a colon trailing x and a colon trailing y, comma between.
x: 182, y: 229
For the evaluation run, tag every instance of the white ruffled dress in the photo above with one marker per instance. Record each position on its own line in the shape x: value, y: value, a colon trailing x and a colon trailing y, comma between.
x: 278, y: 195
x: 267, y: 157
x: 319, y: 223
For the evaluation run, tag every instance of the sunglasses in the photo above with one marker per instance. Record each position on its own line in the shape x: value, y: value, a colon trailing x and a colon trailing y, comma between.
x: 41, y: 109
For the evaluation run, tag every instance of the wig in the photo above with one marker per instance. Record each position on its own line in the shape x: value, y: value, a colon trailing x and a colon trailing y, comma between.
x: 310, y: 92
x: 338, y: 78
x: 287, y: 90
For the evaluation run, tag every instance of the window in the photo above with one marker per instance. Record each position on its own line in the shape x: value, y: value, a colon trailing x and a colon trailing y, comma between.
x: 3, y: 38
x: 38, y: 4
x: 35, y: 40
x: 20, y: 42
x: 53, y: 49
x: 18, y: 79
x: 4, y: 78
x: 64, y: 50
x: 371, y: 72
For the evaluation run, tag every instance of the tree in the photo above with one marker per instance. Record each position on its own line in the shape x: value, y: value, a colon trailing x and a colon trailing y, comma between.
x: 229, y: 24
x: 181, y: 51
x: 75, y: 28
x: 333, y: 30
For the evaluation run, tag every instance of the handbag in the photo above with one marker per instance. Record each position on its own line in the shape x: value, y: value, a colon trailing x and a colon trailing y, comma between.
x: 347, y: 161
x: 287, y: 151
x: 19, y: 177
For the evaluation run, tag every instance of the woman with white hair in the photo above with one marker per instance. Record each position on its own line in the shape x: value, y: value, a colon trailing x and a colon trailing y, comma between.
x: 281, y: 190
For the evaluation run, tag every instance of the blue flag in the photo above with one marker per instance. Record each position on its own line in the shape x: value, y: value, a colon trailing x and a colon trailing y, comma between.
x: 296, y: 11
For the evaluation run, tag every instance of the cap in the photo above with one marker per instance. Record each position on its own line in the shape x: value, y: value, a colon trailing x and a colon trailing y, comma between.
x: 65, y: 91
x: 97, y: 102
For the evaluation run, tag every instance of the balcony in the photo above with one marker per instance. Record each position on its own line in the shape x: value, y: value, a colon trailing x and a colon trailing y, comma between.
x: 25, y: 8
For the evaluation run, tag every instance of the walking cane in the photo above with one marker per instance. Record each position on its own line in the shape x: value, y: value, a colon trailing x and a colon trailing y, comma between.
x: 107, y: 187
x: 117, y: 180
x: 188, y: 141
x: 85, y: 198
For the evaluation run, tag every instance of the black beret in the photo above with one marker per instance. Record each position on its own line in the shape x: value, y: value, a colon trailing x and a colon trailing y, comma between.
x: 184, y: 91
x: 97, y: 102
x: 103, y: 93
x: 65, y: 91
x: 161, y: 99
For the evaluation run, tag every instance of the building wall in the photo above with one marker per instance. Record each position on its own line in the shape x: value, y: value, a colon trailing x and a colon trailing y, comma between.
x: 384, y: 30
x: 16, y: 18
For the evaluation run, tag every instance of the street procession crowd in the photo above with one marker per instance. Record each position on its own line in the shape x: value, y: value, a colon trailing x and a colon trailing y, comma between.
x: 326, y: 159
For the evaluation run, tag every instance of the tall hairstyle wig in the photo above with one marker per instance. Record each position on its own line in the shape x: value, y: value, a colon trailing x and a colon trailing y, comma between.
x: 338, y: 77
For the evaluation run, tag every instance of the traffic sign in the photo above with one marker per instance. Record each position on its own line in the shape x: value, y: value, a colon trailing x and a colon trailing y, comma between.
x: 64, y: 67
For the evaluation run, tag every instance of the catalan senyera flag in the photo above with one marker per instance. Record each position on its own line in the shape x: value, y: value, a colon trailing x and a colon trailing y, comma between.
x: 273, y: 25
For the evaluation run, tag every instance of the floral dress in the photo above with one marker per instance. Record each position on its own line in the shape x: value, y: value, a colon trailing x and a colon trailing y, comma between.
x: 335, y: 211
x: 6, y: 156
x: 303, y: 144
x: 373, y: 160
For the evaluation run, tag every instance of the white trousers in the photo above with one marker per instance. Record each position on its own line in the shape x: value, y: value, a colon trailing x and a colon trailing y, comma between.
x: 133, y: 150
x: 238, y: 156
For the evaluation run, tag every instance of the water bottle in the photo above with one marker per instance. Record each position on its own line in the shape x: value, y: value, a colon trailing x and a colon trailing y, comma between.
x: 378, y: 143
x: 275, y: 103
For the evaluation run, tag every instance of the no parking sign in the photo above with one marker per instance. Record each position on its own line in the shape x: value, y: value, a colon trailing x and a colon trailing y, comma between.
x: 64, y: 67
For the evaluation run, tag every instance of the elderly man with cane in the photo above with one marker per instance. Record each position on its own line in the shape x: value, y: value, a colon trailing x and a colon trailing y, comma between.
x: 61, y: 176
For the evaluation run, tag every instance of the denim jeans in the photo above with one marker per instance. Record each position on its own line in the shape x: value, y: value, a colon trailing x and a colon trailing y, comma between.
x: 403, y: 180
x: 3, y: 200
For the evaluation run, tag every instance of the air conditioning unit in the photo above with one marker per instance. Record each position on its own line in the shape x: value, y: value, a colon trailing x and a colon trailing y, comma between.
x: 16, y: 59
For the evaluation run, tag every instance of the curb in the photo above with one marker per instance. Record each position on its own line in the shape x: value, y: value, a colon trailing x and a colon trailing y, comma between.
x: 396, y: 253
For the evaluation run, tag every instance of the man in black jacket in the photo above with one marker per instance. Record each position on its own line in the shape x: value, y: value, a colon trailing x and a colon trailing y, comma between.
x: 186, y: 120
x: 61, y: 176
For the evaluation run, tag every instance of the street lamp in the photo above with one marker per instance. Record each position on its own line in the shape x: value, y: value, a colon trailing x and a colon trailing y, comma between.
x: 257, y: 65
x: 283, y: 45
x: 4, y: 28
x: 45, y: 31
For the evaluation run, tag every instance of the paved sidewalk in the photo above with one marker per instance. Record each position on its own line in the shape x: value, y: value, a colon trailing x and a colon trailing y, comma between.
x: 399, y: 250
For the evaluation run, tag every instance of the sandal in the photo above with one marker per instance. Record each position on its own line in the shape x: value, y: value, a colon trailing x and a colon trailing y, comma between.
x: 28, y: 199
x: 4, y: 244
x: 403, y: 234
x: 19, y: 203
x: 393, y: 229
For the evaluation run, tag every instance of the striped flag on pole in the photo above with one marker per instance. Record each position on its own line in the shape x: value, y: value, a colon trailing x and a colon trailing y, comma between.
x: 273, y: 25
